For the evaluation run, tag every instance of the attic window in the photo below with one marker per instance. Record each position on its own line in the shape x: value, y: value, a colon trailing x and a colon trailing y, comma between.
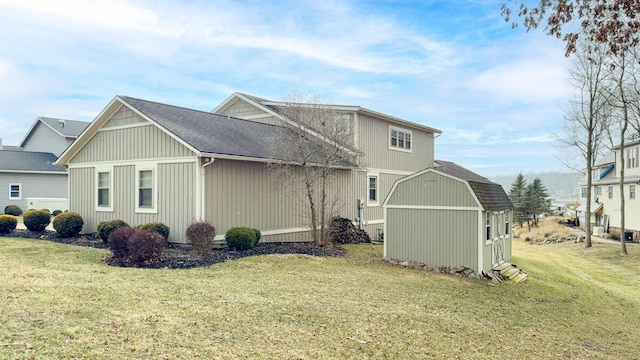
x: 632, y: 157
x: 400, y: 139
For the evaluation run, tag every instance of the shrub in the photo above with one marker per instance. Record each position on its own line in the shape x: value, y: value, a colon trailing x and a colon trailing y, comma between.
x: 342, y: 231
x: 614, y: 235
x: 145, y: 247
x: 36, y: 220
x: 56, y: 212
x: 13, y: 210
x: 157, y: 227
x: 118, y: 242
x: 258, y: 236
x: 68, y: 224
x: 241, y: 238
x: 8, y: 223
x: 106, y: 227
x: 200, y: 235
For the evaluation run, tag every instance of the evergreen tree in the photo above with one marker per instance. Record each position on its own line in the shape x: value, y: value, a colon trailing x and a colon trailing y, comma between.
x: 517, y: 197
x: 540, y: 201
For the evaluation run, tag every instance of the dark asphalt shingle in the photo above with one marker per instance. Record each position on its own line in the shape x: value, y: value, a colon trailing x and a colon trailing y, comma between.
x: 28, y: 161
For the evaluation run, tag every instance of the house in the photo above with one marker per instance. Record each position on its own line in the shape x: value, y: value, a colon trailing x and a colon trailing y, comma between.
x: 605, y: 208
x: 448, y: 216
x: 28, y: 176
x: 143, y: 161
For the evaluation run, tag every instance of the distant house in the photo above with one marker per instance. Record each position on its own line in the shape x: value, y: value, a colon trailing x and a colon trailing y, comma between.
x: 143, y: 161
x: 605, y: 208
x: 28, y: 176
x: 448, y: 216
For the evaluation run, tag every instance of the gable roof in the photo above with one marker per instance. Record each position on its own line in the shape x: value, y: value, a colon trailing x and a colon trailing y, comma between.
x: 274, y: 108
x: 205, y: 133
x: 492, y: 196
x: 65, y: 128
x: 29, y: 162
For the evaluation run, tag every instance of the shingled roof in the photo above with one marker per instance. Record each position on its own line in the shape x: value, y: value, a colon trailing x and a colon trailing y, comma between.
x: 66, y: 128
x: 28, y: 161
x: 212, y: 133
x: 492, y: 196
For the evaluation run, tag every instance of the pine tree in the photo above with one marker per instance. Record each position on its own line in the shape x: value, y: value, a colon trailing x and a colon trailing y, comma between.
x: 517, y: 196
x: 540, y: 201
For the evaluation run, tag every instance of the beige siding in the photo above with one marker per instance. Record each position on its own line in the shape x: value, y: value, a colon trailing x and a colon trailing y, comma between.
x: 240, y: 193
x: 243, y: 110
x: 434, y: 237
x: 373, y: 140
x: 176, y: 196
x: 43, y: 139
x: 432, y: 189
x: 122, y: 117
x: 143, y: 142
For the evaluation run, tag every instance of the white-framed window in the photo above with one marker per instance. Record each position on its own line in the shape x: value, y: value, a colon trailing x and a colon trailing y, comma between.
x: 15, y: 191
x: 400, y: 139
x: 146, y: 189
x: 507, y: 228
x: 373, y: 192
x: 610, y: 191
x: 584, y: 192
x: 598, y: 190
x: 104, y: 188
x: 632, y: 192
x: 632, y: 157
x: 488, y: 226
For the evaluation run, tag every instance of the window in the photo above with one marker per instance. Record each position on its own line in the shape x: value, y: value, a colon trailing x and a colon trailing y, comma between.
x: 15, y: 191
x: 488, y: 227
x: 146, y: 189
x: 372, y: 189
x: 584, y: 192
x: 632, y: 157
x: 400, y: 139
x: 610, y: 191
x: 598, y: 191
x: 632, y: 192
x: 506, y: 225
x: 104, y: 186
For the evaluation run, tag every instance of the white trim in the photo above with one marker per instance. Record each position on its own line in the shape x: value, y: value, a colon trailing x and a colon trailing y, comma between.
x: 374, y: 222
x: 427, y: 207
x: 385, y: 238
x: 404, y: 132
x: 253, y: 117
x: 480, y: 250
x: 134, y: 162
x: 376, y: 202
x: 147, y: 166
x: 103, y: 169
x: 389, y: 171
x: 19, y: 197
x: 128, y: 126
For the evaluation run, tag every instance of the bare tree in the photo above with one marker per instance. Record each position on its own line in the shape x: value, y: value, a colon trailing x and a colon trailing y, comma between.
x: 586, y: 122
x: 316, y: 148
x: 615, y: 24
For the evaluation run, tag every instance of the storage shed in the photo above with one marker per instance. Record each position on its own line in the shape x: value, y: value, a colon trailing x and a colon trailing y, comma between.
x: 448, y: 216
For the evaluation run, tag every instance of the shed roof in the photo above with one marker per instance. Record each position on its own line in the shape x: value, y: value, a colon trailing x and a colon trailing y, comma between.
x: 492, y: 196
x: 28, y: 161
x: 218, y: 134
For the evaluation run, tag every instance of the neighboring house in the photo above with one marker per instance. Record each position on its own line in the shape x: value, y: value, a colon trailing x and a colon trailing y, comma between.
x: 448, y: 216
x: 52, y: 135
x: 605, y: 208
x: 28, y: 177
x: 143, y: 161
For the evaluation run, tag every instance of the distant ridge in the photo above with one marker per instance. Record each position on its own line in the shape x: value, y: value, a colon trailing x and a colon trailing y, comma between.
x: 558, y: 184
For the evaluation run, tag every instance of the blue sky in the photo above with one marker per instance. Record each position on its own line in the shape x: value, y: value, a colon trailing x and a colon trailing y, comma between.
x: 497, y: 94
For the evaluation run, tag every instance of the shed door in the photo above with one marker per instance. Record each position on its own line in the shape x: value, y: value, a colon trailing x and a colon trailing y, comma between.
x: 497, y: 252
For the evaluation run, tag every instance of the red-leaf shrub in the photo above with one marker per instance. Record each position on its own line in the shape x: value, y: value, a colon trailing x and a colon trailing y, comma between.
x: 145, y: 247
x: 200, y: 235
x: 119, y: 242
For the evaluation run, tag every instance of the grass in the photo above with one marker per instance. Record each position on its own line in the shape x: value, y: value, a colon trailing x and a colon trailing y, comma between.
x: 61, y: 301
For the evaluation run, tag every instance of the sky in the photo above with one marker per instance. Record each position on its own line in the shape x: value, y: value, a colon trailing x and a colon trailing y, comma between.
x: 498, y: 94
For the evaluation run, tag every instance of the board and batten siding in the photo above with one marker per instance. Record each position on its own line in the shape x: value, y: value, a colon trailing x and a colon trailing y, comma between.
x: 433, y: 189
x: 32, y: 186
x: 140, y: 142
x: 176, y: 188
x: 433, y: 236
x: 243, y: 193
x: 373, y: 141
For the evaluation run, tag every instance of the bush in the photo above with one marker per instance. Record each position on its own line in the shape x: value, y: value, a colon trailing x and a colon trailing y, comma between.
x: 13, y: 210
x: 614, y: 235
x: 56, y: 212
x: 342, y: 231
x: 8, y: 223
x: 106, y: 227
x: 200, y: 235
x: 241, y: 238
x: 118, y: 242
x: 157, y: 227
x: 68, y: 224
x: 36, y: 220
x: 136, y: 247
x: 145, y: 247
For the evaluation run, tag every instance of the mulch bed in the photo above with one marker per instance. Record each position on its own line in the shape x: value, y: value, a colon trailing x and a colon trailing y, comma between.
x: 178, y: 256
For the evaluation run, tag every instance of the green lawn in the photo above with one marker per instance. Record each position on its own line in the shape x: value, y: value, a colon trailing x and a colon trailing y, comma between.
x: 61, y: 301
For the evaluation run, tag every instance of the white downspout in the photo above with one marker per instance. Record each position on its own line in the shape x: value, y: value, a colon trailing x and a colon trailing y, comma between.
x: 203, y: 187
